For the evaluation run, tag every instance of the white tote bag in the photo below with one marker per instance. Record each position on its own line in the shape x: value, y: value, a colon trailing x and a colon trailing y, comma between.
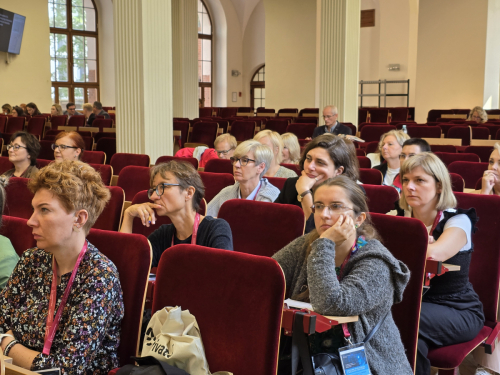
x: 173, y: 336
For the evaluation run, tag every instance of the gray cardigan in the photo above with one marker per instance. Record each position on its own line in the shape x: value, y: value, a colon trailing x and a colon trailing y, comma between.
x: 266, y: 193
x: 373, y: 281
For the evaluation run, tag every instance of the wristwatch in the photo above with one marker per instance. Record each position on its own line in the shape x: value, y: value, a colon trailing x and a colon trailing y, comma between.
x: 301, y: 196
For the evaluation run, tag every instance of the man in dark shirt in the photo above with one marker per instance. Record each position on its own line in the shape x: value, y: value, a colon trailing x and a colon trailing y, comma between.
x: 97, y: 111
x: 71, y: 110
x: 330, y: 115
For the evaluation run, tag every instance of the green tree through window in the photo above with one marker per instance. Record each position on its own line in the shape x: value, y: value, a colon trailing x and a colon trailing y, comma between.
x: 73, y: 51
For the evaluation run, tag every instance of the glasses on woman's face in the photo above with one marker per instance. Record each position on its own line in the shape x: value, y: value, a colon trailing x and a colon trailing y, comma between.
x: 243, y: 160
x: 16, y: 147
x: 318, y: 208
x: 159, y: 189
x: 224, y: 152
x: 476, y: 118
x: 61, y: 147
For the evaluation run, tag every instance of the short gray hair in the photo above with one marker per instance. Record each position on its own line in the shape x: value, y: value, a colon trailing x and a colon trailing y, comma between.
x: 231, y: 141
x: 261, y: 153
x: 334, y: 109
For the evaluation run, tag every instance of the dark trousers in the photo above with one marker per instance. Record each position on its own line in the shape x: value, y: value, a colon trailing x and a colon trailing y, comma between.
x: 441, y: 326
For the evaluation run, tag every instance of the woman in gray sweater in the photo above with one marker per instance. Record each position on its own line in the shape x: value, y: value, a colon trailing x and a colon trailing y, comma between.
x: 342, y: 269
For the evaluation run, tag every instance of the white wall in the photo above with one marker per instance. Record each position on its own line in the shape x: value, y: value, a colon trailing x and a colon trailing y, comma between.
x: 254, y: 53
x: 106, y: 52
x: 27, y: 77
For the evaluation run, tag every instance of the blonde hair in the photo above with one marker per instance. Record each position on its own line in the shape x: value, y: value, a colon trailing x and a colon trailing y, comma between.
x: 291, y: 142
x: 88, y: 107
x: 77, y: 185
x: 481, y: 112
x: 496, y: 147
x: 261, y: 153
x: 400, y: 136
x: 433, y: 166
x: 226, y: 138
x: 58, y: 109
x: 276, y: 141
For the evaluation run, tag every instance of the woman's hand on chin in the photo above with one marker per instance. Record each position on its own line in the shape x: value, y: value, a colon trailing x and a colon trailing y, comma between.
x: 144, y: 211
x: 488, y: 182
x: 340, y: 231
x: 305, y: 182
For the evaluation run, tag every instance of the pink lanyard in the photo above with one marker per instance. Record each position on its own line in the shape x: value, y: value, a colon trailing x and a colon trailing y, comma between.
x: 195, y: 230
x: 52, y: 324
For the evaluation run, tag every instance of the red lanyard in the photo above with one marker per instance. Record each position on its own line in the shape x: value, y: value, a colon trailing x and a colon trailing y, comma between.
x: 436, y: 222
x: 195, y: 230
x: 52, y: 324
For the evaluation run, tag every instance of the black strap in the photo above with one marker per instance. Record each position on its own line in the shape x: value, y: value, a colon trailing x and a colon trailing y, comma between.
x: 375, y: 329
x: 300, y: 346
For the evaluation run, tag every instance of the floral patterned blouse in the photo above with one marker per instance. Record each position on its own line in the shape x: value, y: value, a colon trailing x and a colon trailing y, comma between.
x: 88, y: 334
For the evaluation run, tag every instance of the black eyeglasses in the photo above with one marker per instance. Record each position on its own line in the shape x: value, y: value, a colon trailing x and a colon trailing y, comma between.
x: 334, y: 207
x: 243, y: 160
x: 61, y: 147
x: 159, y: 189
x: 15, y: 147
x: 219, y: 153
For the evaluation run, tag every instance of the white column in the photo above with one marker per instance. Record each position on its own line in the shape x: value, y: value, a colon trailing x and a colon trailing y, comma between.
x: 339, y: 57
x: 143, y: 74
x: 185, y: 57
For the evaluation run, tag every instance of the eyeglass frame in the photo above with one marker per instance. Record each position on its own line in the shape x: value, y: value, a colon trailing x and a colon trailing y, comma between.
x: 15, y: 147
x: 234, y: 160
x: 330, y: 210
x: 224, y: 152
x: 157, y: 190
x: 53, y: 146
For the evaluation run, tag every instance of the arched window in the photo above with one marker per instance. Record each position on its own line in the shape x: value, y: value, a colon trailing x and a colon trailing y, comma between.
x: 258, y: 88
x: 204, y: 55
x: 74, y: 59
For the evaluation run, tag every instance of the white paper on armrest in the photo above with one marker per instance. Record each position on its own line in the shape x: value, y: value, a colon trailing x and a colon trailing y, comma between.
x: 298, y: 304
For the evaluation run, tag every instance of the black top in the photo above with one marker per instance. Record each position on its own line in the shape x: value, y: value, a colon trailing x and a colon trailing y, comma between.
x: 92, y: 117
x: 339, y: 129
x: 215, y: 233
x: 382, y: 168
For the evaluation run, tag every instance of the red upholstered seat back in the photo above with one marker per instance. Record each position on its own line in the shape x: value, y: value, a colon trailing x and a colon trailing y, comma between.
x: 277, y: 181
x: 360, y: 152
x: 46, y: 151
x: 5, y: 164
x: 18, y: 232
x: 448, y: 158
x: 479, y: 132
x: 379, y: 115
x: 374, y: 132
x: 111, y: 216
x: 444, y: 148
x: 166, y: 159
x: 462, y: 132
x: 78, y: 121
x: 204, y: 132
x: 243, y: 130
x: 3, y: 123
x: 42, y: 163
x: 133, y: 179
x: 138, y: 228
x: 102, y: 123
x: 351, y: 126
x: 183, y: 127
x: 131, y: 255
x: 277, y: 125
x: 51, y: 132
x: 18, y: 198
x: 485, y: 264
x: 306, y: 120
x: 215, y: 182
x: 94, y: 157
x: 457, y: 182
x: 264, y: 219
x: 100, y: 135
x: 219, y: 166
x: 370, y: 176
x: 399, y: 113
x: 418, y: 131
x: 302, y: 131
x: 35, y: 126
x: 228, y: 112
x: 57, y: 121
x: 364, y: 162
x: 408, y: 244
x: 222, y: 291
x: 293, y: 167
x: 381, y: 199
x: 105, y: 171
x: 483, y: 152
x: 121, y: 160
x: 371, y: 147
x: 363, y: 124
x: 15, y: 124
x: 470, y: 171
x: 108, y: 146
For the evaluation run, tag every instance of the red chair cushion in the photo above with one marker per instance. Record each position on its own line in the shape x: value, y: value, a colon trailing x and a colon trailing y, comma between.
x: 302, y: 131
x: 111, y: 216
x: 5, y: 164
x: 470, y: 171
x: 133, y: 179
x: 94, y: 157
x: 457, y: 182
x: 448, y: 158
x: 277, y: 181
x: 166, y: 159
x: 219, y: 166
x: 374, y: 132
x: 370, y: 176
x: 381, y: 199
x: 18, y: 198
x: 121, y: 160
x: 215, y: 182
x: 483, y: 152
x: 277, y: 125
x: 243, y: 130
x: 364, y: 162
x: 18, y: 232
x: 105, y: 171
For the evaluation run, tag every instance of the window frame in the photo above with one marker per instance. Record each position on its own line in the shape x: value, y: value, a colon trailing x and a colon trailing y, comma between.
x: 201, y: 84
x: 70, y: 32
x: 256, y: 84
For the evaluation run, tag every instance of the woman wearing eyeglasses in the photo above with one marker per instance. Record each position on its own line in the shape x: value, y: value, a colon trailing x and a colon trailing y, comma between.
x: 177, y: 191
x: 68, y: 146
x: 23, y: 151
x: 250, y: 161
x: 342, y: 269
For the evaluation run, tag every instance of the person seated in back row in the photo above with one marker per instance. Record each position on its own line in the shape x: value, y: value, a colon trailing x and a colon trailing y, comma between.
x: 250, y: 163
x: 225, y: 145
x: 275, y: 143
x: 291, y: 148
x: 490, y: 183
x: 68, y: 198
x: 177, y: 191
x: 23, y: 151
x: 412, y: 147
x: 342, y: 269
x: 330, y: 116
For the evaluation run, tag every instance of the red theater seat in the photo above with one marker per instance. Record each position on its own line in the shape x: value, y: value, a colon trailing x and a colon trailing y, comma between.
x: 42, y: 163
x: 3, y: 123
x: 46, y: 151
x: 108, y: 146
x: 18, y: 232
x: 457, y: 182
x: 444, y: 148
x: 470, y: 171
x: 131, y: 254
x: 5, y: 164
x: 94, y: 157
x: 78, y: 121
x: 221, y: 289
x: 462, y: 132
x: 36, y: 126
x: 370, y: 176
x: 262, y: 218
x: 112, y: 214
x: 18, y: 198
x: 133, y: 179
x: 102, y: 123
x: 166, y: 159
x: 122, y: 160
x: 243, y: 130
x: 448, y: 158
x: 364, y: 162
x: 15, y: 124
x: 215, y: 182
x: 374, y: 132
x: 277, y: 181
x: 302, y: 131
x: 277, y: 125
x: 204, y: 133
x: 183, y: 127
x: 483, y: 152
x: 106, y: 172
x: 57, y: 121
x: 381, y: 199
x: 219, y: 166
x: 424, y: 131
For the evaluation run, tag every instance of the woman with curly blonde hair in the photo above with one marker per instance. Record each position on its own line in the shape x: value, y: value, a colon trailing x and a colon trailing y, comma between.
x: 64, y: 273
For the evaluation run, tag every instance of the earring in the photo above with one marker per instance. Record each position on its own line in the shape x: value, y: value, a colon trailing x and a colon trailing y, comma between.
x: 356, y: 226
